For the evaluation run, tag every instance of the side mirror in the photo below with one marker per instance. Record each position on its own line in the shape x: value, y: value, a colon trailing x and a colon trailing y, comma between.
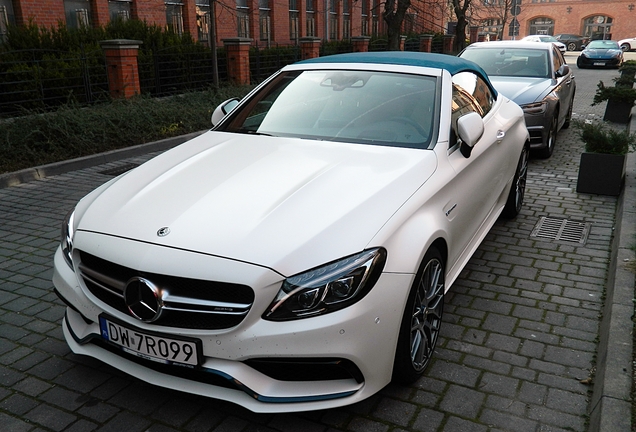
x: 470, y: 128
x: 563, y: 71
x: 223, y: 110
x: 582, y: 47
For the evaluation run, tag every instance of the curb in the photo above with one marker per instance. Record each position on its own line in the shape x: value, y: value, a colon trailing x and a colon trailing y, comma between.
x: 611, y: 404
x: 55, y: 168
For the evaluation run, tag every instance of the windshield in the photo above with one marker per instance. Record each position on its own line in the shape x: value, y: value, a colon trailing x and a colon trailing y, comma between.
x: 339, y: 105
x: 547, y: 39
x: 603, y: 44
x: 510, y: 61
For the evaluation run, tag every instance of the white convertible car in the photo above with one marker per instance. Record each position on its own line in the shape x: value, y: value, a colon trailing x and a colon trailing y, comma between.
x: 296, y: 256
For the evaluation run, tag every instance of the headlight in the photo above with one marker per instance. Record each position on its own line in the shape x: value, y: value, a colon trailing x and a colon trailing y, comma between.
x: 535, y: 108
x: 68, y: 231
x: 327, y: 288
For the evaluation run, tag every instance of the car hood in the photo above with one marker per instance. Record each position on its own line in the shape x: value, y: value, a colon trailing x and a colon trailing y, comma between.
x: 600, y: 53
x: 282, y: 203
x: 522, y: 90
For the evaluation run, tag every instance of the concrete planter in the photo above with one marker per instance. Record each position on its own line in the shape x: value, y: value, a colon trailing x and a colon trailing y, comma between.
x: 601, y: 174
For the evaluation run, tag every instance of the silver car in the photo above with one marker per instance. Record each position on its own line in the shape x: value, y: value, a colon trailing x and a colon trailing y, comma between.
x: 537, y: 78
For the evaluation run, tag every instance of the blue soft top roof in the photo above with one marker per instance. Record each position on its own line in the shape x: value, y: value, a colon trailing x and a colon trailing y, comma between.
x: 452, y: 64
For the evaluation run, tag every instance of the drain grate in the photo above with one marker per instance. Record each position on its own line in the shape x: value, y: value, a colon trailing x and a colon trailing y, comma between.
x: 562, y: 230
x: 115, y: 171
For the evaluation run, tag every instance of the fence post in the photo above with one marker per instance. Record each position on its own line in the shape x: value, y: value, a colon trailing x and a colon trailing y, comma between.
x: 426, y: 43
x: 121, y: 65
x: 402, y: 42
x: 309, y: 47
x: 474, y: 33
x: 447, y: 47
x: 238, y: 59
x: 360, y: 43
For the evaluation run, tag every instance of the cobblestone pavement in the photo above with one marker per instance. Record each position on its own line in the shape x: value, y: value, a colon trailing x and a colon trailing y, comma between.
x: 518, y: 343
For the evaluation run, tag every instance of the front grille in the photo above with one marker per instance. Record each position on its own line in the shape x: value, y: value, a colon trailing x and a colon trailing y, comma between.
x: 188, y: 303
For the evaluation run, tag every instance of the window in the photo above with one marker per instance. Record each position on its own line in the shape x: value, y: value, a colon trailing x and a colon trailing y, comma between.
x: 293, y: 20
x: 243, y: 18
x: 78, y: 13
x: 364, y: 31
x: 311, y: 20
x: 375, y: 19
x: 470, y: 94
x: 6, y: 17
x: 542, y: 26
x: 346, y: 19
x: 598, y: 27
x: 119, y: 10
x: 333, y: 19
x: 203, y: 20
x: 174, y: 17
x: 264, y: 28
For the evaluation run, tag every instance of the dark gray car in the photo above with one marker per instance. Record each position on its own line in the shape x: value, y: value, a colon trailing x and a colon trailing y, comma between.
x: 537, y: 78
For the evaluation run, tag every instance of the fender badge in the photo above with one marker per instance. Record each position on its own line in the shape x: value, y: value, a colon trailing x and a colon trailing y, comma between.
x: 162, y: 232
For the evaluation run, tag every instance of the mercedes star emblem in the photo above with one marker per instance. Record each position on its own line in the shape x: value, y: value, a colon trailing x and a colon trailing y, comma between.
x: 143, y: 299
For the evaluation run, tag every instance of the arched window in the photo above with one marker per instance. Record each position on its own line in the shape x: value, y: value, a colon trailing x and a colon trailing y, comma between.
x: 541, y: 26
x: 598, y: 27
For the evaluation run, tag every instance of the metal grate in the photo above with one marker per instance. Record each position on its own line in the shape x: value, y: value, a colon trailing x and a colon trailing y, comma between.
x: 115, y: 171
x: 562, y: 230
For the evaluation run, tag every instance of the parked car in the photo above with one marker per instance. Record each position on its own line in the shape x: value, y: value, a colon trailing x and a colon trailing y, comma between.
x: 546, y: 39
x: 537, y: 78
x: 627, y: 44
x: 572, y: 42
x: 296, y: 256
x: 600, y: 53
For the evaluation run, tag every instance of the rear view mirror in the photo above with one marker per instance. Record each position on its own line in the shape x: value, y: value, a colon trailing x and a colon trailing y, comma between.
x: 223, y: 110
x: 470, y: 128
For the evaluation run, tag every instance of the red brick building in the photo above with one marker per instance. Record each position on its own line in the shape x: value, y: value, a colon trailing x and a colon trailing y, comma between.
x: 592, y: 18
x: 281, y: 22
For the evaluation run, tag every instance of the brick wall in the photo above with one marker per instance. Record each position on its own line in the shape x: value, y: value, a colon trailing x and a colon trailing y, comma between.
x: 46, y: 13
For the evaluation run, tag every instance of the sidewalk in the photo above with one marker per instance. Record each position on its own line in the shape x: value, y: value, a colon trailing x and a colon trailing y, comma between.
x: 524, y: 324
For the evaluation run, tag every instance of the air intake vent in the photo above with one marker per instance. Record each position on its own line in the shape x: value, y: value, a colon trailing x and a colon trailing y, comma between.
x: 561, y: 230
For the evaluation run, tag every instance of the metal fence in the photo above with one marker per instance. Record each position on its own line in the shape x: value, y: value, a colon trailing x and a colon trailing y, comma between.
x: 41, y: 79
x: 44, y: 79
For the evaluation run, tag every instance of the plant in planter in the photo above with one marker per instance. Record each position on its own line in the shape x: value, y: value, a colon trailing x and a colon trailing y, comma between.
x: 620, y: 98
x: 602, y: 167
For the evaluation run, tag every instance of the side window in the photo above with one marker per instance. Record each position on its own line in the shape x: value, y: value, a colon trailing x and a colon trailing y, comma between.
x: 557, y: 57
x: 470, y: 94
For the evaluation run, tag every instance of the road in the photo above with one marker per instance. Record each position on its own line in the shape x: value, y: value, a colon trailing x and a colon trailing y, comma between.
x: 518, y: 345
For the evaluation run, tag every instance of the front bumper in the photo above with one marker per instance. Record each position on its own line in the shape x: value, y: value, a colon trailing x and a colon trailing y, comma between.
x: 603, y: 62
x: 362, y: 336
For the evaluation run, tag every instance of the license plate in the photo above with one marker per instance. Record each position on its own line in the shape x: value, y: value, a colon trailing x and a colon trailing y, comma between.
x: 159, y: 348
x: 599, y: 63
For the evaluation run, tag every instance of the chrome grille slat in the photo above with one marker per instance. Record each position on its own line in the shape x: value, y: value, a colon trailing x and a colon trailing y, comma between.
x: 188, y: 303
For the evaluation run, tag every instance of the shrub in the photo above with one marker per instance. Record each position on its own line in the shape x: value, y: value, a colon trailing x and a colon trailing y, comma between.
x: 599, y: 138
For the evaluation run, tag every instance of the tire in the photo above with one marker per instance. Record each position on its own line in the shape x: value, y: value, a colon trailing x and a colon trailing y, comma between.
x: 518, y: 188
x: 626, y: 47
x: 546, y: 152
x: 571, y: 46
x: 422, y: 320
x: 579, y: 64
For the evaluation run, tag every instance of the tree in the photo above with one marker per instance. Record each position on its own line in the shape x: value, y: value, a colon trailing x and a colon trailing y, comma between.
x: 500, y: 10
x: 394, y: 12
x: 460, y: 8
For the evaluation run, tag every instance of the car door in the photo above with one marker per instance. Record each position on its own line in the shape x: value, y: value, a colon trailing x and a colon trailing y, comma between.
x: 480, y: 177
x: 564, y: 87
